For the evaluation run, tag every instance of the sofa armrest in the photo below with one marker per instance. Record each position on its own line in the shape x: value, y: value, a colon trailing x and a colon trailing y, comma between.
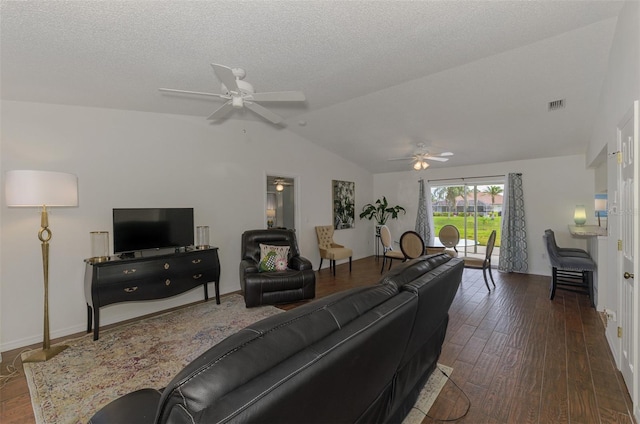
x: 136, y: 407
x: 299, y: 263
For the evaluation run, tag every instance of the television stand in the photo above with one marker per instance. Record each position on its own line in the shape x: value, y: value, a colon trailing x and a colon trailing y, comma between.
x: 147, y: 278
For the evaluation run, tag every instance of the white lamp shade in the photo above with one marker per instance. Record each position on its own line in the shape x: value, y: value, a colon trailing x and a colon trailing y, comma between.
x: 38, y: 188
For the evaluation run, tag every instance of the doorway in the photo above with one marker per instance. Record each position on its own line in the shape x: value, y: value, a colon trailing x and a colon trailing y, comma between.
x: 280, y: 207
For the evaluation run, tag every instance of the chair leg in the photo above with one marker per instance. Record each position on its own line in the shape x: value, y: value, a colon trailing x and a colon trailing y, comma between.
x: 554, y: 282
x: 484, y: 274
x: 588, y: 278
x: 390, y: 262
x: 320, y: 264
x: 334, y: 267
x: 350, y: 264
x: 491, y: 275
x: 384, y: 259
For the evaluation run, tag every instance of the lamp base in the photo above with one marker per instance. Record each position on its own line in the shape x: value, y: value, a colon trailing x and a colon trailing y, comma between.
x: 44, y: 355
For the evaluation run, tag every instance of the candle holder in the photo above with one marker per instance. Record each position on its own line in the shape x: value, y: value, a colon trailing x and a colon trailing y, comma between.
x: 202, y: 237
x: 99, y: 246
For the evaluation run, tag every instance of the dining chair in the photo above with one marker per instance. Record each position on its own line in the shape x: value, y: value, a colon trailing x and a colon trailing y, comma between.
x: 387, y: 248
x: 485, y: 263
x: 450, y: 236
x: 412, y: 245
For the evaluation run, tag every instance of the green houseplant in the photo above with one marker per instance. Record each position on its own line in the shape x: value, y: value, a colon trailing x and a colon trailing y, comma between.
x: 380, y: 211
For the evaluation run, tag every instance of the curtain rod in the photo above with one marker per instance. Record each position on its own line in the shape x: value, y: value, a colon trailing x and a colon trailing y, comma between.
x: 463, y: 178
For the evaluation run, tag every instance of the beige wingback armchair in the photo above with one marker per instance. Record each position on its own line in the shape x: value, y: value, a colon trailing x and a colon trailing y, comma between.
x: 329, y: 249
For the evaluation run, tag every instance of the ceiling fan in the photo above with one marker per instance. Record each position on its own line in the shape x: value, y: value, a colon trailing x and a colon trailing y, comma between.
x: 240, y: 94
x: 279, y: 183
x: 422, y: 155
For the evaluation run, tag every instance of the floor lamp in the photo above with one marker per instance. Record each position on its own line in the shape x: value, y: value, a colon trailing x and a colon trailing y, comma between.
x: 42, y: 189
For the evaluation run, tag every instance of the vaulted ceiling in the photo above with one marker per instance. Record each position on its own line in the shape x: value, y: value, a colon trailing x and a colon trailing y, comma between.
x: 471, y: 77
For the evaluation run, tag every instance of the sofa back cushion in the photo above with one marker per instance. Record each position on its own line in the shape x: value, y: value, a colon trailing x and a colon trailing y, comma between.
x: 332, y: 339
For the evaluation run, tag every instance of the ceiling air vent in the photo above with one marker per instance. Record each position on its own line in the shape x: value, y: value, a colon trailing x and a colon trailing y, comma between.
x: 556, y: 104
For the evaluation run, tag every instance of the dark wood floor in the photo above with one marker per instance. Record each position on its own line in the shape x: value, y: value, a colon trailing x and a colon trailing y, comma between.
x: 516, y: 355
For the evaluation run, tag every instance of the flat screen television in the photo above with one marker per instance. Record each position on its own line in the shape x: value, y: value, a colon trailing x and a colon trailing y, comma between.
x: 151, y: 228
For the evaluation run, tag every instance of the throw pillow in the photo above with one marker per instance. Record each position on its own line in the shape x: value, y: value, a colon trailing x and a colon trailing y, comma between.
x: 273, y: 258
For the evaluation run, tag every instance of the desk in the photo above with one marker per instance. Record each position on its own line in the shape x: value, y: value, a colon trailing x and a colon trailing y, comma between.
x: 596, y: 237
x: 587, y: 231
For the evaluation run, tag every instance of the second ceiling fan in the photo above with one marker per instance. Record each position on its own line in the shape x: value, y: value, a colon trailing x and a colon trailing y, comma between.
x: 422, y: 155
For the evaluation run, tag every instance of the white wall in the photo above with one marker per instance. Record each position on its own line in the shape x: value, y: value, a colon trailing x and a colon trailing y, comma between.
x: 135, y: 159
x: 622, y: 82
x: 552, y: 188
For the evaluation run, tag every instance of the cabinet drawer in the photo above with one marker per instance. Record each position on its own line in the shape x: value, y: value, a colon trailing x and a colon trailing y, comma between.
x: 126, y: 271
x: 150, y: 289
x: 193, y: 261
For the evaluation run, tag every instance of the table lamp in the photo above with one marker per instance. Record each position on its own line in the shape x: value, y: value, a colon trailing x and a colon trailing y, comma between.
x: 42, y: 189
x: 580, y: 215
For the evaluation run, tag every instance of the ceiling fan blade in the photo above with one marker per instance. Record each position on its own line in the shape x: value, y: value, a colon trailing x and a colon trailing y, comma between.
x: 409, y: 158
x: 199, y: 93
x: 264, y: 112
x: 446, y: 154
x: 225, y: 75
x: 278, y: 96
x: 436, y: 158
x: 222, y: 111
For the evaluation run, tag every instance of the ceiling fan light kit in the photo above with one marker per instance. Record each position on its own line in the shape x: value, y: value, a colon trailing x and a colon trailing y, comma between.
x: 240, y: 94
x: 420, y: 165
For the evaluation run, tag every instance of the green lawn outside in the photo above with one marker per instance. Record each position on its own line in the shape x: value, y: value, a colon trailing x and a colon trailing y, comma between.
x: 485, y: 226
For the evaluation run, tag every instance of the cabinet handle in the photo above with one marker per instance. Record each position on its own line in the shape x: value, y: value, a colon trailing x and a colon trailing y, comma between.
x: 131, y: 289
x: 196, y: 261
x: 197, y: 276
x: 167, y: 282
x: 166, y: 266
x: 129, y: 271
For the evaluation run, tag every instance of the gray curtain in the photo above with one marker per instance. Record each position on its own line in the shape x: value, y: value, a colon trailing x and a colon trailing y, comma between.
x: 513, y: 241
x: 424, y: 221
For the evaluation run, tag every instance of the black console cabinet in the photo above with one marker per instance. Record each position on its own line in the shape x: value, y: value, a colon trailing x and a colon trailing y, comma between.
x: 156, y: 277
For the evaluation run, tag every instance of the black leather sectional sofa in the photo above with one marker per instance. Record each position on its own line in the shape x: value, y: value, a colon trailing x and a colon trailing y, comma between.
x: 359, y: 356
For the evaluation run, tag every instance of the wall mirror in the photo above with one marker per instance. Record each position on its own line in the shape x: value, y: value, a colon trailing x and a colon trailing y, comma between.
x: 280, y: 207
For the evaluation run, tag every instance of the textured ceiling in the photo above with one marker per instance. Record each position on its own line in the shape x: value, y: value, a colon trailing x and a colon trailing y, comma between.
x: 471, y: 77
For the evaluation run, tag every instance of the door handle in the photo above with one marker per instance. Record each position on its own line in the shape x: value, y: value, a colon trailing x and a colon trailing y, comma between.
x: 626, y: 275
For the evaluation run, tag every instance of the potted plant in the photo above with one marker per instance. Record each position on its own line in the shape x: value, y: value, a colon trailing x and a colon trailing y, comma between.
x: 380, y: 211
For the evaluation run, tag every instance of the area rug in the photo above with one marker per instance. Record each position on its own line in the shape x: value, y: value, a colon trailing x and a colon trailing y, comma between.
x: 72, y: 386
x: 428, y: 395
x: 76, y: 383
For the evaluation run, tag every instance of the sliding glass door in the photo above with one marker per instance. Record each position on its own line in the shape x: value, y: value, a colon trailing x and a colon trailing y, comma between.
x: 475, y: 209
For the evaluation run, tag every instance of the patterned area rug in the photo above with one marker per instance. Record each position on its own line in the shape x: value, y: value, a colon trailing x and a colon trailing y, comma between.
x: 73, y: 385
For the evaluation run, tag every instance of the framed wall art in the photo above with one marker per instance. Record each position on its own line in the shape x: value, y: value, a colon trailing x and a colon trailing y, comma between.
x: 344, y: 200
